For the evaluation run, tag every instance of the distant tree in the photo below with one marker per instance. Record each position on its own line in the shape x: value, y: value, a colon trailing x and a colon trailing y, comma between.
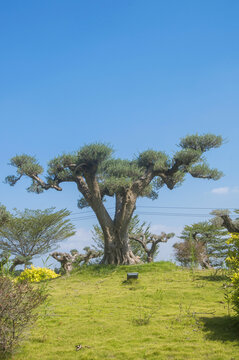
x: 150, y: 242
x: 97, y: 175
x: 203, y: 243
x: 68, y: 260
x: 33, y: 232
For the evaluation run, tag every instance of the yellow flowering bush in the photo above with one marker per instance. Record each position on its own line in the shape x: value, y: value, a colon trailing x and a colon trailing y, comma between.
x: 235, y: 293
x: 37, y: 274
x: 233, y: 263
x: 233, y: 253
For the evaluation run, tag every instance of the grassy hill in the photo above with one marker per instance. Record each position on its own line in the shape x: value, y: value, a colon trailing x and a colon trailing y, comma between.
x: 168, y: 313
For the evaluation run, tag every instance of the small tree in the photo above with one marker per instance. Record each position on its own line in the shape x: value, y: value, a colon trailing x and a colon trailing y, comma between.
x: 98, y: 175
x: 203, y: 243
x: 152, y: 240
x: 34, y: 232
x: 68, y: 260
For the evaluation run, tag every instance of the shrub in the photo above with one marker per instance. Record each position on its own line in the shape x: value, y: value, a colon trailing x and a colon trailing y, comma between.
x: 233, y: 252
x: 17, y: 304
x: 233, y: 263
x: 235, y: 293
x: 37, y: 274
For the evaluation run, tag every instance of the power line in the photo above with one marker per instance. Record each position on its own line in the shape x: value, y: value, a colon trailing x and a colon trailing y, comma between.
x: 150, y: 214
x: 184, y: 207
x: 161, y: 207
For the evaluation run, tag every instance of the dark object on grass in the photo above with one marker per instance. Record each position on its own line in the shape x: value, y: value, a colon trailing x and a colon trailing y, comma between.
x: 78, y: 347
x: 132, y: 276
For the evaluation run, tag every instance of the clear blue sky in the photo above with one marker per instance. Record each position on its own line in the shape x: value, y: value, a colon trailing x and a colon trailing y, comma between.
x: 136, y: 74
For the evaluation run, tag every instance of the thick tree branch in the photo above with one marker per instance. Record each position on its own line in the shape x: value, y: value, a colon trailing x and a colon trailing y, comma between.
x: 152, y: 239
x: 224, y: 220
x: 44, y: 185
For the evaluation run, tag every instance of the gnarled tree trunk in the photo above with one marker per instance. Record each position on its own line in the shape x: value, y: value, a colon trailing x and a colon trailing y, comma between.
x: 117, y: 249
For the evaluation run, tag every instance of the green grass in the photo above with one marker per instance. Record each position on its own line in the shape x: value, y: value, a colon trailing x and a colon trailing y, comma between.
x: 168, y: 313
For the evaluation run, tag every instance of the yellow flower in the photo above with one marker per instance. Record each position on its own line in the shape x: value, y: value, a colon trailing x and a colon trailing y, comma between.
x: 37, y: 274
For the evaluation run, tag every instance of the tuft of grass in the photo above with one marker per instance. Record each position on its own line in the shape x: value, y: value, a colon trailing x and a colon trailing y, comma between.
x: 165, y: 314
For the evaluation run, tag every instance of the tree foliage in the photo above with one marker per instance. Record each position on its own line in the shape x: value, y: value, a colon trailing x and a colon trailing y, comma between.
x: 4, y: 215
x: 34, y: 232
x: 114, y: 175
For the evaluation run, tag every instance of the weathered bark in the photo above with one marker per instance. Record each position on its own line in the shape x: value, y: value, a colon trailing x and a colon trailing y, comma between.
x: 117, y: 250
x: 67, y: 260
x: 20, y: 260
x: 223, y: 219
x: 15, y: 263
x: 231, y: 226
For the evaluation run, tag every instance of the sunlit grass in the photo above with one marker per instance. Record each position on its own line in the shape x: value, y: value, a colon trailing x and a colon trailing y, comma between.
x: 168, y: 313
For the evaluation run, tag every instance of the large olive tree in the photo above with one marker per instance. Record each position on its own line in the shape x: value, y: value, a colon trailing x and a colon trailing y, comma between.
x: 98, y: 175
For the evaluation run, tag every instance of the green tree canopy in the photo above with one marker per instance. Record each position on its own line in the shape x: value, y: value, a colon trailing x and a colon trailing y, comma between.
x: 30, y: 233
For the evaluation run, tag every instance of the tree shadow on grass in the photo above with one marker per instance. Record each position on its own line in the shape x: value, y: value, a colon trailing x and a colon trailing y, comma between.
x: 97, y: 269
x: 213, y: 277
x: 224, y: 328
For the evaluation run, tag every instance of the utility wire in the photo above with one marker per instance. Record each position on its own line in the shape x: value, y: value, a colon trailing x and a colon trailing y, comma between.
x: 162, y: 207
x: 150, y: 214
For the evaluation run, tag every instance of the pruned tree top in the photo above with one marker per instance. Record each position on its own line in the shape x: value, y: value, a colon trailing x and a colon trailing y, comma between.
x: 94, y: 163
x: 222, y: 218
x: 203, y: 231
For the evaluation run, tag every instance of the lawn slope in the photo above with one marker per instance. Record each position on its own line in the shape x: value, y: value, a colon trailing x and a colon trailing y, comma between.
x: 168, y: 313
